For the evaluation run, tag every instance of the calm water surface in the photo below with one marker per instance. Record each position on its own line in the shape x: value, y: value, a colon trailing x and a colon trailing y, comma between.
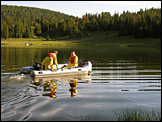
x: 122, y: 77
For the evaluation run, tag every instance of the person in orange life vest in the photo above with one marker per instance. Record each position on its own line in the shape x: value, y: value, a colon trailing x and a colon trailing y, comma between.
x: 73, y: 60
x: 50, y: 58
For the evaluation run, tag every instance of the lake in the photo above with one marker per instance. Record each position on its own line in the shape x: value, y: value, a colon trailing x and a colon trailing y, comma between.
x: 121, y: 77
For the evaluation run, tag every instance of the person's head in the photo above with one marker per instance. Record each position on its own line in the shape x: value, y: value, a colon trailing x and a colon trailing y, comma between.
x: 73, y: 53
x: 56, y: 52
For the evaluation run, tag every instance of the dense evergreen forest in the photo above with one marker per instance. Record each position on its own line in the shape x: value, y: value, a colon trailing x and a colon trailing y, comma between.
x: 26, y: 22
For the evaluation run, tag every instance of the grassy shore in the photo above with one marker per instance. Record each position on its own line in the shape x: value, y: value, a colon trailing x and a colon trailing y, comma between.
x: 126, y: 114
x: 97, y: 38
x: 138, y: 115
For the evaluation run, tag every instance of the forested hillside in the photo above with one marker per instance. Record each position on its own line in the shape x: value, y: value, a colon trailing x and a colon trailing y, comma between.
x: 24, y: 22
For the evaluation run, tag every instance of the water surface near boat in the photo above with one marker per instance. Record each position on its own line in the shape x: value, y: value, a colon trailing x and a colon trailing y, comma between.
x: 120, y: 78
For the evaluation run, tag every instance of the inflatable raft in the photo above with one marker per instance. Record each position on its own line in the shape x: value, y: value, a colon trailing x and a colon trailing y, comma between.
x: 80, y: 78
x: 84, y: 67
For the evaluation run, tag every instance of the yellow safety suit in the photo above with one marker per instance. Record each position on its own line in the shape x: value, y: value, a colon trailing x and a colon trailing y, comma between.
x: 50, y: 58
x: 73, y: 62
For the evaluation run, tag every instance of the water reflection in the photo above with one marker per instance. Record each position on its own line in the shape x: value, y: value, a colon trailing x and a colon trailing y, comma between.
x: 73, y: 84
x: 51, y: 84
x: 121, y: 77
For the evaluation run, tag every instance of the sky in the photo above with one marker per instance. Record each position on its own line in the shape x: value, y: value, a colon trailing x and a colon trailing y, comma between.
x: 79, y: 8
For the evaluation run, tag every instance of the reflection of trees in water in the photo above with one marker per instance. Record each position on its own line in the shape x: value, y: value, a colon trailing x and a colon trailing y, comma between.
x: 14, y: 58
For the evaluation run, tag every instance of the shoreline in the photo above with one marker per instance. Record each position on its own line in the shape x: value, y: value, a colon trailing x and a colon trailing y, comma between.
x: 97, y: 38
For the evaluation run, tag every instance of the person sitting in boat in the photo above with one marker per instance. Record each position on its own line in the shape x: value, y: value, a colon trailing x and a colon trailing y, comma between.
x: 50, y: 58
x: 73, y: 60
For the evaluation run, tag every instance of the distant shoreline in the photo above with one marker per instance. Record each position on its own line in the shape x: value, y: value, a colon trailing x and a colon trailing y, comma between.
x: 97, y: 38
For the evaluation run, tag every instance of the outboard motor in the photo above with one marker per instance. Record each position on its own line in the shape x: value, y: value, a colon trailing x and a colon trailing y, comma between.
x: 37, y: 66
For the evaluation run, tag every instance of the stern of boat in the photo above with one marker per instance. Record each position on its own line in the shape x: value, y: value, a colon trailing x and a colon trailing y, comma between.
x: 90, y: 67
x: 26, y: 70
x: 32, y: 74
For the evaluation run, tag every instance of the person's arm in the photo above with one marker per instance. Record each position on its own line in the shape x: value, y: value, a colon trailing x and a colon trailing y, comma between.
x: 76, y: 61
x: 57, y: 66
x: 55, y: 61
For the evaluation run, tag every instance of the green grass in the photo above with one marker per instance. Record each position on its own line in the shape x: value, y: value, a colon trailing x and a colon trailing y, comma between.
x: 98, y: 38
x: 126, y: 114
x: 137, y: 115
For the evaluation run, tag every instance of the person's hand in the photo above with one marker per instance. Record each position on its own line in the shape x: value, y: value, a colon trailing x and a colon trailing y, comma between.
x: 57, y: 66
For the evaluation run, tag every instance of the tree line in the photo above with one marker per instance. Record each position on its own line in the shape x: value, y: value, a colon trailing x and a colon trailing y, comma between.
x: 25, y: 22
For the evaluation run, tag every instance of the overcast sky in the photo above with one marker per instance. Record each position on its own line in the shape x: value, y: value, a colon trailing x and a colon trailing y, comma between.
x: 79, y: 8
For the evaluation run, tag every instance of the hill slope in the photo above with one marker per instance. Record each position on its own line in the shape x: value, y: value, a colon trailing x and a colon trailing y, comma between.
x: 31, y: 13
x: 26, y: 22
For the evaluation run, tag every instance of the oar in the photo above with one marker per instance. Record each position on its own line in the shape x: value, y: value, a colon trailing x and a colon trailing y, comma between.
x: 58, y: 69
x: 63, y: 66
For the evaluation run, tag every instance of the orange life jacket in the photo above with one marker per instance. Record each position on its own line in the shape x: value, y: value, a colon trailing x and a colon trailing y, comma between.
x: 72, y: 59
x: 50, y: 55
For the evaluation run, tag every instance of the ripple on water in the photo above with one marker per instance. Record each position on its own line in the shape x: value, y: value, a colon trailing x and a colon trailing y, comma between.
x: 11, y: 113
x: 106, y: 91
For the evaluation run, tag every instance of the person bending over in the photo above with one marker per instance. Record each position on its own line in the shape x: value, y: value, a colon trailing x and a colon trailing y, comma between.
x: 50, y: 58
